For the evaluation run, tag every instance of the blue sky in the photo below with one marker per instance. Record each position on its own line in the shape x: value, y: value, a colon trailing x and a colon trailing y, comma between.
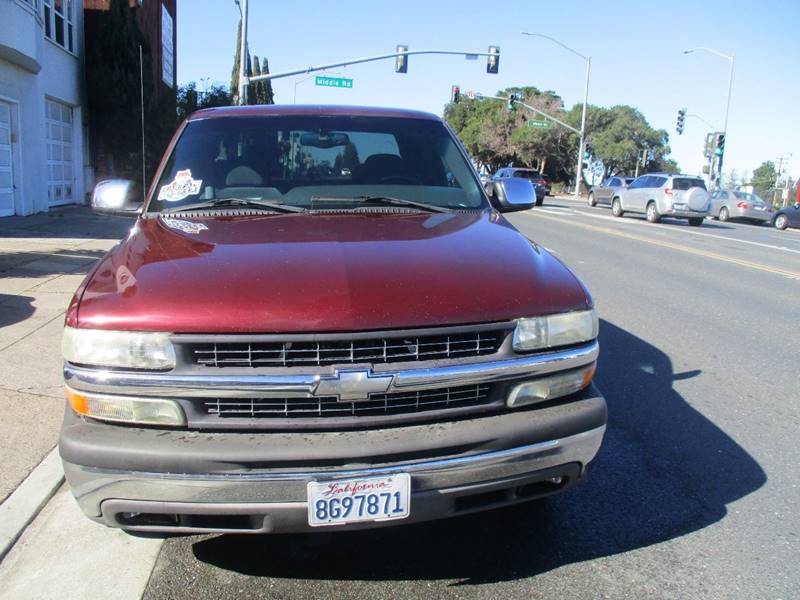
x: 636, y: 50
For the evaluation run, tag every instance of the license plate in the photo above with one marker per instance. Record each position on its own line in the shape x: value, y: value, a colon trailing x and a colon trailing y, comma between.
x: 358, y: 500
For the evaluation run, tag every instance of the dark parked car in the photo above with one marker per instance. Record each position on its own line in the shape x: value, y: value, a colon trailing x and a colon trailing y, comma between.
x: 274, y: 349
x: 603, y: 193
x: 787, y: 217
x: 532, y: 175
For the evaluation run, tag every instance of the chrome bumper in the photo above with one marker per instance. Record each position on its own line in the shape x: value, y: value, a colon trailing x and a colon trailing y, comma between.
x: 265, y: 386
x: 275, y: 501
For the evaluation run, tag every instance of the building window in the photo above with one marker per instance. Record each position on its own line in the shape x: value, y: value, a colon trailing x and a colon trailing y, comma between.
x: 59, y: 22
x: 60, y: 170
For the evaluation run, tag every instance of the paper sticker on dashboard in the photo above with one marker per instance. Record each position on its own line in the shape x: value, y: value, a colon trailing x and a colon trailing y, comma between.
x: 182, y: 186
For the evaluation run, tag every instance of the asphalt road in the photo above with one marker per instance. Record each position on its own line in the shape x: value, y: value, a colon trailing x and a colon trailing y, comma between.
x: 695, y: 493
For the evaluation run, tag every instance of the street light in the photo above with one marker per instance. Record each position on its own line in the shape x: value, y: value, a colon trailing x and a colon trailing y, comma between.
x: 588, y: 60
x: 242, y: 5
x: 730, y: 87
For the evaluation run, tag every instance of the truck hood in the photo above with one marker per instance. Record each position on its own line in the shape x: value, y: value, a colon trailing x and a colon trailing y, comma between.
x: 322, y: 273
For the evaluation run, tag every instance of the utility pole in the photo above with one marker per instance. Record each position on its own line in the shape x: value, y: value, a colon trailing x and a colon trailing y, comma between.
x: 781, y: 160
x: 243, y: 60
x: 582, y: 143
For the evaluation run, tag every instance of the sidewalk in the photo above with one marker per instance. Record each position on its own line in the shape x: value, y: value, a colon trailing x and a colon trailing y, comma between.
x: 43, y: 258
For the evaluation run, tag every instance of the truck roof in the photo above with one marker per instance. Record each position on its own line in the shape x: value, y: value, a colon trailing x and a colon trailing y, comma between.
x: 309, y: 109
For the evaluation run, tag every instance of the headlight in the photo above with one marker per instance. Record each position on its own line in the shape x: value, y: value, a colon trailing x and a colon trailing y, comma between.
x: 555, y: 330
x: 123, y: 409
x: 122, y: 349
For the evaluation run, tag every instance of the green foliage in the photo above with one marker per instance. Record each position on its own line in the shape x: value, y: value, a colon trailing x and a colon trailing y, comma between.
x: 496, y: 137
x: 114, y: 97
x: 190, y: 100
x: 763, y: 179
x: 258, y: 92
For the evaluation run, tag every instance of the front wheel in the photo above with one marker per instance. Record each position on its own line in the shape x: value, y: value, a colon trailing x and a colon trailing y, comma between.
x: 616, y: 208
x: 695, y: 221
x: 724, y: 215
x: 592, y: 201
x: 781, y: 222
x: 652, y: 213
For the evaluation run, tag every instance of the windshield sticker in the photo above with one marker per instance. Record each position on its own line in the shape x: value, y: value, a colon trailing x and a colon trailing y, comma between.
x: 184, y: 226
x: 182, y: 186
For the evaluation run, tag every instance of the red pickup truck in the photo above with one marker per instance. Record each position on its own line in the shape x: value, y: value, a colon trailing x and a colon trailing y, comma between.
x: 320, y: 319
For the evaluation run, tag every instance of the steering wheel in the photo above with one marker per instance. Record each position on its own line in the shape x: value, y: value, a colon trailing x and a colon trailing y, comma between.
x: 390, y: 179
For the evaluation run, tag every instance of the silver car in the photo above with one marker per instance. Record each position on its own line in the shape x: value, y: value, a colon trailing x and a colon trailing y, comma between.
x: 604, y: 193
x: 733, y: 204
x: 664, y: 195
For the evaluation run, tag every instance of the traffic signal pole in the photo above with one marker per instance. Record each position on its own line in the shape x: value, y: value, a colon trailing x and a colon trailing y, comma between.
x: 532, y: 109
x: 355, y: 61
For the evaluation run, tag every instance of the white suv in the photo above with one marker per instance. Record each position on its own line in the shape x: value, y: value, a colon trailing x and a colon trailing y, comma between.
x: 664, y: 195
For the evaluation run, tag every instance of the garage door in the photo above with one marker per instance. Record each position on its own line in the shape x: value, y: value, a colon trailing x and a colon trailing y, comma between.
x: 6, y: 175
x: 60, y: 170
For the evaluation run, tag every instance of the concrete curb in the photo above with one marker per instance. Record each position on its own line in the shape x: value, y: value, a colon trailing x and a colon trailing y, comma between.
x: 30, y: 497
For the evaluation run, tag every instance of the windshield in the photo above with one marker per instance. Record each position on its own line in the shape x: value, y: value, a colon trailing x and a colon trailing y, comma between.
x: 754, y: 198
x: 293, y: 159
x: 684, y: 183
x: 527, y: 174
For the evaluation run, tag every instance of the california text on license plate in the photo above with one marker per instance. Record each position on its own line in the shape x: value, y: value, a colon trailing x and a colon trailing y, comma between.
x: 358, y: 500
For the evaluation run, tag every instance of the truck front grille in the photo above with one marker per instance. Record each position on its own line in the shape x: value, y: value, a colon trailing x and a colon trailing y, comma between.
x: 330, y: 406
x: 338, y: 352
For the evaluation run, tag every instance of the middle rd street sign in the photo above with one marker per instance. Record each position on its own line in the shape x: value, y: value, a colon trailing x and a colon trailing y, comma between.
x: 539, y: 124
x: 338, y: 82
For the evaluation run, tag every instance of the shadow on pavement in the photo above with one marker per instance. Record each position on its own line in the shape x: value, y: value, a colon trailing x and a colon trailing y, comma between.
x: 14, y: 309
x: 41, y: 262
x: 73, y: 222
x: 664, y: 470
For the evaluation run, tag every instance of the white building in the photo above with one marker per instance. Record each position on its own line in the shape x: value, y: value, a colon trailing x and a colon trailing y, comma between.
x: 42, y: 118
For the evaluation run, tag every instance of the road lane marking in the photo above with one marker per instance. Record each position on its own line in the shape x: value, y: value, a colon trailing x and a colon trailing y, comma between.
x: 670, y: 245
x: 682, y: 230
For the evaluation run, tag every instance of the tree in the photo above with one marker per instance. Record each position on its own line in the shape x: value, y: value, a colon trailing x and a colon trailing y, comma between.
x: 619, y: 137
x: 237, y: 60
x: 763, y: 179
x: 350, y: 156
x: 190, y: 100
x: 495, y: 136
x: 114, y: 94
x: 258, y: 92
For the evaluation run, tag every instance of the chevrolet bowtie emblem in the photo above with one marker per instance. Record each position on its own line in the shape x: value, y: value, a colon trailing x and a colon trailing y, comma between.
x: 350, y: 386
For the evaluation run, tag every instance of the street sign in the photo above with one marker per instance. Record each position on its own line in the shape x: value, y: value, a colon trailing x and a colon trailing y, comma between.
x: 338, y: 82
x: 539, y: 124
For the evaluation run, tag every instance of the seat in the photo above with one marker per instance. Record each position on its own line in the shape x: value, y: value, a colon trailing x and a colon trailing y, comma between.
x: 379, y: 167
x: 243, y: 176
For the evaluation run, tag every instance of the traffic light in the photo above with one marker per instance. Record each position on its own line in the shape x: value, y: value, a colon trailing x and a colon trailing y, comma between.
x: 587, y: 151
x: 719, y: 144
x: 512, y: 98
x: 455, y: 94
x: 681, y: 121
x: 401, y: 62
x: 493, y: 61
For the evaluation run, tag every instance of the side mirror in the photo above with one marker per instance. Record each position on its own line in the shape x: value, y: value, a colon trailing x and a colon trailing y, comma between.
x: 116, y: 197
x: 513, y: 194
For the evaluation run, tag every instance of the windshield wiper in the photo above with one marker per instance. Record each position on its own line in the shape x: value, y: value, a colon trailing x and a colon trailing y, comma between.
x: 380, y: 200
x: 243, y: 202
